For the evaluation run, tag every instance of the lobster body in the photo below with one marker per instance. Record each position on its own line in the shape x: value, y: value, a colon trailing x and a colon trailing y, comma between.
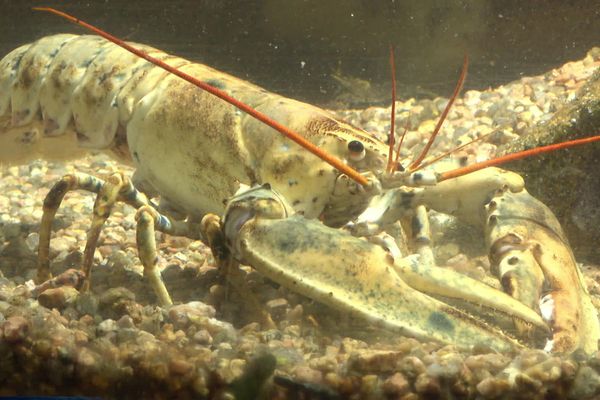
x: 66, y: 93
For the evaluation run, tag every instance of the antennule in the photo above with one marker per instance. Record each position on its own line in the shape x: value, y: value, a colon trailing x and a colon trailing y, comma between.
x: 457, y: 89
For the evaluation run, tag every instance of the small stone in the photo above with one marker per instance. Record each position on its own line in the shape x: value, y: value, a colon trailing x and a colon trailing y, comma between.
x: 374, y: 361
x: 202, y: 337
x: 586, y: 383
x: 15, y: 329
x: 182, y: 315
x: 396, y: 385
x: 307, y: 375
x: 125, y: 322
x: 86, y: 303
x: 547, y: 371
x: 119, y: 301
x: 59, y: 297
x: 277, y: 307
x: 32, y: 241
x: 324, y: 364
x: 493, y: 387
x: 369, y: 384
x: 106, y: 326
x: 427, y: 385
x: 86, y: 358
x: 411, y: 367
x: 180, y: 367
x: 568, y: 369
x: 295, y: 314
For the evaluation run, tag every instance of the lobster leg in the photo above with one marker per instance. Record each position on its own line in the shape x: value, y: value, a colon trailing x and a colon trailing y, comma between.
x: 107, y: 197
x: 116, y: 188
x: 51, y: 204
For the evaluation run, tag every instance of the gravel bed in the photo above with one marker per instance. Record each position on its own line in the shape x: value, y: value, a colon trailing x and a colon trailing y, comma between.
x: 117, y: 343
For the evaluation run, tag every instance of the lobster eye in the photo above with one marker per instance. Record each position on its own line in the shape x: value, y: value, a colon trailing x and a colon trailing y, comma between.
x: 356, y: 150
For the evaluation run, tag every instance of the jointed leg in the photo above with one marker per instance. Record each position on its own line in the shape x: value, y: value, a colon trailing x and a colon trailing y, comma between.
x: 51, y: 203
x: 116, y: 188
x: 148, y: 221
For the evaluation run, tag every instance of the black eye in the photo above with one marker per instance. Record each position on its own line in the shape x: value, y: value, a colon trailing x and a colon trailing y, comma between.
x: 355, y: 146
x: 356, y: 150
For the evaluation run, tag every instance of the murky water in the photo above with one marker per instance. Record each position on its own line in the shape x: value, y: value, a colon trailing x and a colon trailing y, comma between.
x: 239, y: 334
x: 298, y: 50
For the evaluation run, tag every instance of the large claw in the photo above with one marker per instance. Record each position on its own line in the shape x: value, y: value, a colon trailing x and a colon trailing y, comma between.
x: 535, y: 264
x: 351, y: 274
x: 527, y: 248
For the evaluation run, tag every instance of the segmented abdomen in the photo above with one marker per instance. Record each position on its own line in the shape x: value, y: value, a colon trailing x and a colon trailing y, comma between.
x: 66, y: 86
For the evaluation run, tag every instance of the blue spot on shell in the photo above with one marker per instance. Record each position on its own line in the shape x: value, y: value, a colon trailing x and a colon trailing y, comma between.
x: 215, y: 83
x: 440, y: 321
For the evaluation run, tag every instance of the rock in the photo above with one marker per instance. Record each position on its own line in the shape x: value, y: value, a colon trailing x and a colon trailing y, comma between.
x: 586, y: 384
x: 15, y: 329
x: 370, y: 361
x: 182, y: 315
x: 106, y: 326
x: 493, y: 387
x: 396, y: 385
x: 277, y: 307
x: 427, y: 385
x: 202, y: 337
x: 58, y: 298
x: 119, y: 301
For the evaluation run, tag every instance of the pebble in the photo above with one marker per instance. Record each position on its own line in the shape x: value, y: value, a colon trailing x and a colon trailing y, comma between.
x: 15, y: 329
x: 182, y: 315
x: 374, y: 361
x: 59, y: 297
x: 396, y: 385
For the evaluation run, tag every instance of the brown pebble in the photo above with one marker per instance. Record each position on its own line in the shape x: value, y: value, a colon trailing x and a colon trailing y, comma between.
x: 80, y: 336
x: 277, y: 307
x: 568, y: 369
x: 202, y: 337
x: 492, y: 362
x: 324, y: 364
x: 427, y: 385
x: 15, y: 329
x: 396, y: 385
x: 295, y: 314
x: 308, y: 375
x: 374, y: 361
x: 58, y: 298
x: 492, y: 387
x: 370, y: 384
x: 410, y: 396
x: 547, y: 371
x: 180, y: 367
x: 86, y: 358
x: 332, y: 379
x: 411, y: 367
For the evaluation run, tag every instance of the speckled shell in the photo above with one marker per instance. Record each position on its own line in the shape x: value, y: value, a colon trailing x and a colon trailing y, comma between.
x: 66, y: 92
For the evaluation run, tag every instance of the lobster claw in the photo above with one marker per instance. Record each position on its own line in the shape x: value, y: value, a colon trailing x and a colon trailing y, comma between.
x: 535, y: 264
x: 354, y: 275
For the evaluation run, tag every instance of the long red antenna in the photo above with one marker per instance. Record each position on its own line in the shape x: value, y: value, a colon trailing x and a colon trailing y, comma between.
x: 461, y: 80
x: 330, y: 159
x: 515, y: 156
